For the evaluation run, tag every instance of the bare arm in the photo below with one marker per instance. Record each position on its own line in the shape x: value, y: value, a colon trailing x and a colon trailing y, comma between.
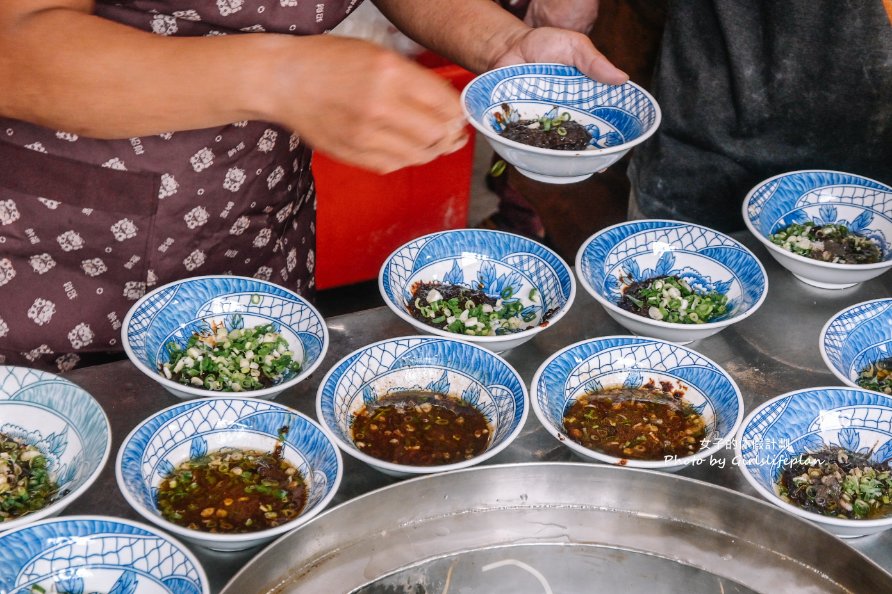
x: 576, y: 15
x: 65, y: 68
x: 480, y: 35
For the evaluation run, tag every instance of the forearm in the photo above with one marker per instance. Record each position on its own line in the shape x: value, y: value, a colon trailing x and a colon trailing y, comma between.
x: 472, y: 33
x: 65, y: 68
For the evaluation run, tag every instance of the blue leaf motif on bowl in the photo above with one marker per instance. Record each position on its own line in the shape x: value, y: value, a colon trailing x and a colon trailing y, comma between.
x: 812, y: 442
x: 198, y: 448
x: 165, y: 468
x: 455, y: 276
x: 498, y: 285
x: 369, y: 396
x: 126, y: 584
x: 634, y: 380
x: 471, y: 395
x: 592, y: 385
x: 440, y: 386
x: 236, y: 321
x: 884, y: 452
x: 850, y: 440
x: 861, y: 223
x: 826, y: 214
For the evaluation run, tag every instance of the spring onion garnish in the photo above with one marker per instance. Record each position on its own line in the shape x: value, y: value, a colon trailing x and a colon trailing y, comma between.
x: 25, y: 484
x: 231, y: 360
x: 671, y: 299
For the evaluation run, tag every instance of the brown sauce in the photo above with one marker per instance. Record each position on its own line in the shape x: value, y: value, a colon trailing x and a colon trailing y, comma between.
x: 646, y: 423
x: 420, y: 428
x: 233, y: 491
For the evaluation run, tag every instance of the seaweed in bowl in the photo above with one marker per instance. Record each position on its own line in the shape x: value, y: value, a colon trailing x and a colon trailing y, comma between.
x: 837, y: 482
x: 470, y: 310
x: 672, y: 299
x: 553, y: 130
x: 832, y: 242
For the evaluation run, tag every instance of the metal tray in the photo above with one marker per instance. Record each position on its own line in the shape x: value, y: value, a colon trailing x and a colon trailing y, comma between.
x: 557, y: 527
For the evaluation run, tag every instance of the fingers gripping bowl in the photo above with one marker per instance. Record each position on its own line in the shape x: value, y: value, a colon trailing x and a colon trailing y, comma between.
x: 508, y: 288
x: 178, y: 318
x: 617, y: 117
x: 716, y: 268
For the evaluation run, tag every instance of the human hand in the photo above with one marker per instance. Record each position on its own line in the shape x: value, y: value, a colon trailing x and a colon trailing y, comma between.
x: 548, y: 44
x: 368, y: 106
x: 575, y: 15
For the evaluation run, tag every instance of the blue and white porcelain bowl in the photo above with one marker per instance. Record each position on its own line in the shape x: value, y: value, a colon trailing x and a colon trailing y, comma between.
x: 632, y: 362
x: 497, y: 262
x: 613, y: 258
x: 174, y: 312
x: 810, y: 420
x: 64, y: 422
x: 194, y: 428
x: 441, y: 365
x: 857, y: 337
x: 81, y: 554
x: 618, y: 117
x: 861, y: 204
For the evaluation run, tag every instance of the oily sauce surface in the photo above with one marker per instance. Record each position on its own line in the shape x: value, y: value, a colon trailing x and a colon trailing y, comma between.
x: 646, y: 423
x: 420, y: 428
x: 233, y: 491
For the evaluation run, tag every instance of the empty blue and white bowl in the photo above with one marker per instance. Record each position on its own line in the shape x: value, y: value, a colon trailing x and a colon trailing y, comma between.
x: 191, y: 429
x: 174, y: 312
x: 441, y: 365
x: 632, y: 362
x: 618, y: 117
x: 861, y: 204
x: 64, y: 422
x: 856, y: 337
x: 613, y: 258
x: 80, y: 554
x: 810, y: 420
x: 499, y: 263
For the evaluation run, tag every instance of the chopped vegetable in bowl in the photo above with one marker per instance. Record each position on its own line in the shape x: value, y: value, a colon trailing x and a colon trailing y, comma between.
x: 472, y: 312
x: 671, y: 299
x: 231, y: 360
x: 840, y: 483
x: 25, y: 483
x: 828, y: 243
x: 877, y: 376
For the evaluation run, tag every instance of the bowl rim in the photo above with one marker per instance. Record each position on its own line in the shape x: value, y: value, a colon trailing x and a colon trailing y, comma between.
x: 773, y: 497
x: 169, y: 538
x: 406, y: 469
x: 777, y: 250
x: 720, y: 444
x: 227, y: 538
x: 202, y: 392
x: 680, y: 328
x: 58, y: 505
x: 489, y: 134
x: 523, y: 334
x: 822, y: 339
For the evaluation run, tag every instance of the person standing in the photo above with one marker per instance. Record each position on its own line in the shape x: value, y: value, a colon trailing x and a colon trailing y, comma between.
x: 143, y: 141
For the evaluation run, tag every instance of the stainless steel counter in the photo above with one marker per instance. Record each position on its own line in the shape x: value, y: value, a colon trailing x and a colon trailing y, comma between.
x: 774, y: 351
